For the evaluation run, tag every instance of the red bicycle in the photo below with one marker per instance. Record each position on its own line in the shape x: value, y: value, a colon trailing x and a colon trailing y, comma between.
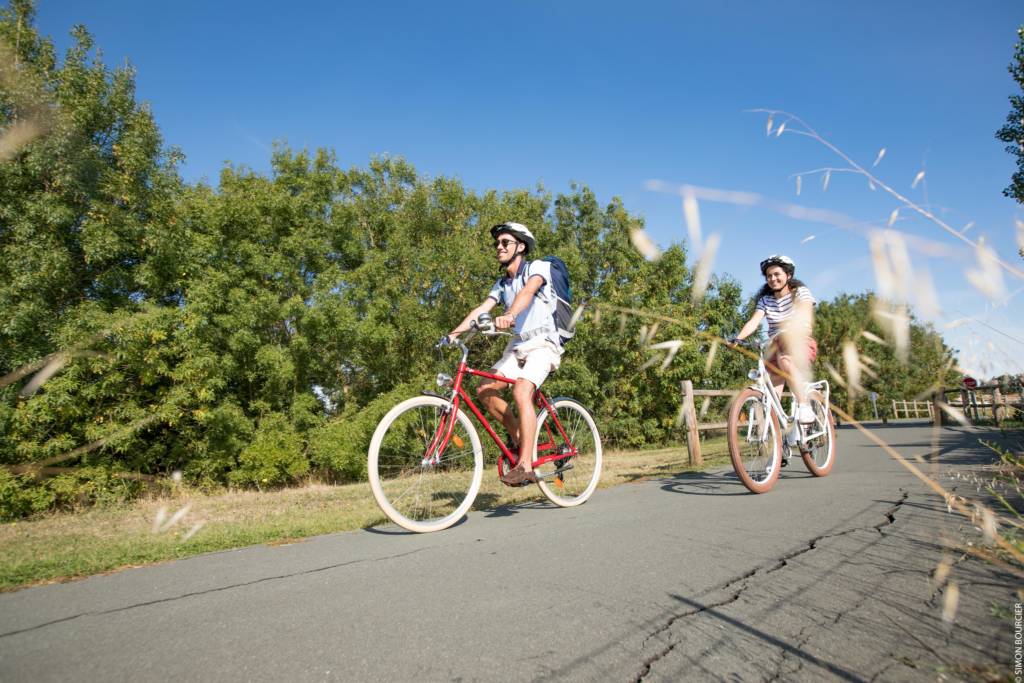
x: 426, y: 462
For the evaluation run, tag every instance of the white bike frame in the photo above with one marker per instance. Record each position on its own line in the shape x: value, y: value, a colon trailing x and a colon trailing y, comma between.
x: 772, y: 403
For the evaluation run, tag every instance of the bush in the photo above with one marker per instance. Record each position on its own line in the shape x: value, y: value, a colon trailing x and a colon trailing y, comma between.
x: 274, y: 457
x: 95, y: 485
x: 23, y: 496
x: 20, y: 498
x: 339, y: 448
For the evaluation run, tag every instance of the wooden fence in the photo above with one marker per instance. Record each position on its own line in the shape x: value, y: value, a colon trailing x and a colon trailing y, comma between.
x: 692, y: 421
x: 689, y: 414
x: 985, y: 402
x: 911, y: 409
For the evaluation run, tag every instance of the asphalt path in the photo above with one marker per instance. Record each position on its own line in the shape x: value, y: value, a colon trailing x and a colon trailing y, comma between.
x: 687, y: 577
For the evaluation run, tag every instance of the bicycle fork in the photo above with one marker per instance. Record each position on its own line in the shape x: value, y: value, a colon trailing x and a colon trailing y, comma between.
x: 763, y: 424
x: 443, y: 433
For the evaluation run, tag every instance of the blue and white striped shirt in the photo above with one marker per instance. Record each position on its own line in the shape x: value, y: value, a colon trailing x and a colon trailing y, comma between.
x: 777, y: 311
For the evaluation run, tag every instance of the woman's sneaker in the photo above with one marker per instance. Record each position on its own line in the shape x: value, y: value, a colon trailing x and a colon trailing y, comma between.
x: 805, y: 413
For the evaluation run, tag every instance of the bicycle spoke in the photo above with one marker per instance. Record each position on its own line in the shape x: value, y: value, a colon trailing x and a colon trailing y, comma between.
x: 424, y: 496
x: 820, y: 444
x: 578, y: 474
x: 753, y: 441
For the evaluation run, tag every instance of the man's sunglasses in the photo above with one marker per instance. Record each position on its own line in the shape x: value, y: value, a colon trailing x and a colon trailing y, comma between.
x: 504, y: 244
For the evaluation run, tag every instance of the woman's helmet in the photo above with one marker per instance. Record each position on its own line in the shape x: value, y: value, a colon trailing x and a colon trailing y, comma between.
x: 781, y: 261
x: 517, y: 230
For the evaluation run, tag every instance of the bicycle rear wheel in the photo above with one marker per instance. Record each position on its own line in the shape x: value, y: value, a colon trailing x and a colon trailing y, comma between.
x: 418, y: 493
x: 755, y: 441
x: 820, y: 455
x: 569, y: 481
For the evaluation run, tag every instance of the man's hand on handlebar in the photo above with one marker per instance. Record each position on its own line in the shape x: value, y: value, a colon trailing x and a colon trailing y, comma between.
x: 503, y: 322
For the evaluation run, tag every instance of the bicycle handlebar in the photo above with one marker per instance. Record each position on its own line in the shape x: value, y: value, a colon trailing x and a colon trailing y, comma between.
x: 482, y: 325
x: 751, y: 343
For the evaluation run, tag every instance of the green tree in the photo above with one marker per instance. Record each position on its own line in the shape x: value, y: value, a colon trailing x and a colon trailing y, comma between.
x: 83, y: 207
x: 847, y: 318
x: 1013, y: 132
x: 254, y: 332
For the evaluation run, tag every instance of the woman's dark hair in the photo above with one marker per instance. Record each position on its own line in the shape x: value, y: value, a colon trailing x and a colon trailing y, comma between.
x: 793, y: 284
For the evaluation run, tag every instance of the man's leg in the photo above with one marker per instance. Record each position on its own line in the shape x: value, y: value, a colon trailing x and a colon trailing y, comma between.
x: 522, y: 392
x: 490, y: 396
x: 538, y: 364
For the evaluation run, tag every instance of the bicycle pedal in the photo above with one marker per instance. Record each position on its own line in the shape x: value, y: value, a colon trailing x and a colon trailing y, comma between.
x: 557, y: 473
x: 785, y: 462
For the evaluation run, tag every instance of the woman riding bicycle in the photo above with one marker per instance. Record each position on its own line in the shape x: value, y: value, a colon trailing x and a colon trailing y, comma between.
x: 789, y: 307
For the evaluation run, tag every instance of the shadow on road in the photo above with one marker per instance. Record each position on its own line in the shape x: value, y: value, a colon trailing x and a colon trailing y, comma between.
x: 394, y: 530
x: 724, y: 482
x: 908, y: 424
x: 835, y: 670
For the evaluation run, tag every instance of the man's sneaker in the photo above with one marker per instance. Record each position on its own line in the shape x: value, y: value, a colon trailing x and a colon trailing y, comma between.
x: 805, y: 414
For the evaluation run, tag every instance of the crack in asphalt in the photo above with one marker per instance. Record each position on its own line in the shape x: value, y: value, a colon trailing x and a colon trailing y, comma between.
x: 890, y: 514
x: 801, y: 639
x: 744, y: 579
x: 667, y: 625
x: 99, y: 613
x: 649, y: 662
x: 884, y: 669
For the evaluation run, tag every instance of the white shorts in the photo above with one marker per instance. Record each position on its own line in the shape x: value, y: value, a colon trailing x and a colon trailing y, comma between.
x: 533, y: 360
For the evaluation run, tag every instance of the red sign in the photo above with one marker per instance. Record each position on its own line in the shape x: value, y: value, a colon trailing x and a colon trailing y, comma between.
x: 970, y: 383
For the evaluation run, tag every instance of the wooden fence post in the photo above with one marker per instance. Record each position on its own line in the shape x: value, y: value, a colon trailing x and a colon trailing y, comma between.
x: 997, y: 406
x: 690, y: 420
x: 895, y: 412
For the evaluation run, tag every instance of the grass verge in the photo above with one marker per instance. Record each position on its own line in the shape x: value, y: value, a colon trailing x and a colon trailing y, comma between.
x: 66, y: 546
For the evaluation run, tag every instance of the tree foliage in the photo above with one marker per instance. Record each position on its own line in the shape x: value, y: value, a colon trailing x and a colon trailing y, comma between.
x: 846, y: 319
x: 1013, y: 132
x: 253, y: 333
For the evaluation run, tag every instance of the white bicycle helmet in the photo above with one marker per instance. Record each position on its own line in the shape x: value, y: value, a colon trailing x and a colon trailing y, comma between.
x: 781, y: 261
x: 517, y: 230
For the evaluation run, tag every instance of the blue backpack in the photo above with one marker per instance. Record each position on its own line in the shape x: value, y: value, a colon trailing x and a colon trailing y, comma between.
x: 563, y: 293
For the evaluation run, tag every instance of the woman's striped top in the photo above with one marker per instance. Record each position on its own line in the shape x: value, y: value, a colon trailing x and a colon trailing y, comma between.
x: 777, y: 311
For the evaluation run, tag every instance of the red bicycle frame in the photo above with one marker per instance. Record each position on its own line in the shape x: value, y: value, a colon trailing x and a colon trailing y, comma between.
x: 444, y: 432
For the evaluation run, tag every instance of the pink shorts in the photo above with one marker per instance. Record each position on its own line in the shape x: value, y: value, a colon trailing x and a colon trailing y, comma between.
x: 776, y: 353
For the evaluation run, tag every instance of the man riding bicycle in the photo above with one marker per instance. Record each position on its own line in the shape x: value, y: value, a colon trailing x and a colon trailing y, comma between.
x: 527, y: 295
x: 788, y: 305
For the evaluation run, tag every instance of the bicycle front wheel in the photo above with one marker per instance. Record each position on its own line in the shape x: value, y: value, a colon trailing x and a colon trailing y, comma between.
x: 417, y: 491
x: 820, y: 454
x: 755, y: 441
x: 571, y: 480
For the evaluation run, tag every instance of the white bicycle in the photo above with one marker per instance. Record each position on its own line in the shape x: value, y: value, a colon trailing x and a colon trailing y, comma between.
x: 762, y: 437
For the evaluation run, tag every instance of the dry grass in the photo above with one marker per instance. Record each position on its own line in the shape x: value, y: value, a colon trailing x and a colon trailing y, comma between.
x: 60, y: 547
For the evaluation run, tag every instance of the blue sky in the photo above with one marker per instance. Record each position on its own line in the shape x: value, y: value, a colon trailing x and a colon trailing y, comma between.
x: 613, y: 95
